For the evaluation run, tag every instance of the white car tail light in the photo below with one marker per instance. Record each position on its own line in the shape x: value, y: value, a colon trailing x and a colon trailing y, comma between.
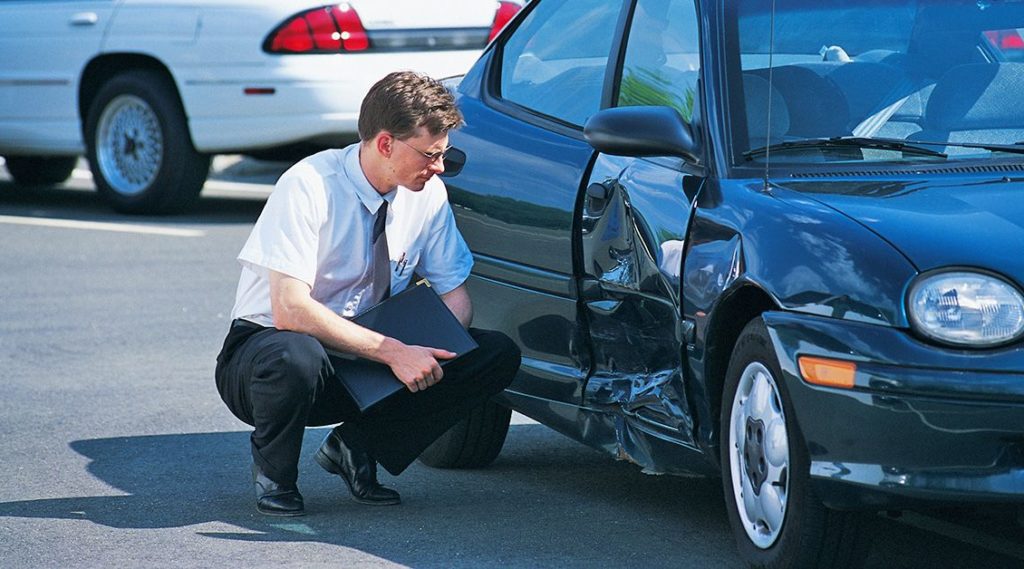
x: 505, y: 12
x: 330, y: 29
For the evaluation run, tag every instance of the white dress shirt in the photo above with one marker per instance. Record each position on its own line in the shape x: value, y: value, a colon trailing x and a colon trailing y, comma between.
x: 317, y: 227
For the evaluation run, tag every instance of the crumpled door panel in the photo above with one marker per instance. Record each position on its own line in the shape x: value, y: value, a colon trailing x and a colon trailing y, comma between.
x: 631, y: 260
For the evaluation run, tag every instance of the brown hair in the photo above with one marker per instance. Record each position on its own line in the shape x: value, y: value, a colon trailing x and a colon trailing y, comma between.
x: 402, y: 102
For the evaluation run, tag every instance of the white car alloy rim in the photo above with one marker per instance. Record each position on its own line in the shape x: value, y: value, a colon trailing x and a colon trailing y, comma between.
x: 129, y: 144
x: 759, y: 448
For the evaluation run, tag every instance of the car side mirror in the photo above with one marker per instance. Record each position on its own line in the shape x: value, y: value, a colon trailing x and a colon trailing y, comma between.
x: 454, y: 160
x: 641, y: 131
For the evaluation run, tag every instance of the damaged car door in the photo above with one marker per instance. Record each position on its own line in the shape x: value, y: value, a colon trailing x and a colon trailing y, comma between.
x: 633, y: 217
x: 632, y: 228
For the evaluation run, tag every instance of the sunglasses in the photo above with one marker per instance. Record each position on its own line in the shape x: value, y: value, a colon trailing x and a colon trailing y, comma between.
x: 431, y: 156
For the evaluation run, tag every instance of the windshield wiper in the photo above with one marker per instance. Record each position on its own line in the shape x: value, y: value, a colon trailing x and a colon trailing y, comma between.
x: 849, y: 142
x: 1015, y: 148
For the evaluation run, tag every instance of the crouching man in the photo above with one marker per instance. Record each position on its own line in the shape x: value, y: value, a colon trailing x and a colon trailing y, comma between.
x: 341, y: 231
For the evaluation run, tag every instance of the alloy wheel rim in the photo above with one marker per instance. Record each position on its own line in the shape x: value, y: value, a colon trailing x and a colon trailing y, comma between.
x: 129, y: 144
x: 759, y: 447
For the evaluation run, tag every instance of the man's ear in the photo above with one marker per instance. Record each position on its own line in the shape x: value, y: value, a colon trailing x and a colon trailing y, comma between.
x: 384, y: 142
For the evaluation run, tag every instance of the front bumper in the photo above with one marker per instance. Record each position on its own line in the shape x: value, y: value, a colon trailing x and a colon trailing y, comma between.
x: 921, y: 423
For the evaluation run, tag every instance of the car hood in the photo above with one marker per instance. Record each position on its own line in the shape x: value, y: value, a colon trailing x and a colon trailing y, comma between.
x: 937, y: 223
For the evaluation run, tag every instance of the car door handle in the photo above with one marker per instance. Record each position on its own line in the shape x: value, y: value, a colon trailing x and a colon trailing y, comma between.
x: 84, y: 19
x: 597, y: 198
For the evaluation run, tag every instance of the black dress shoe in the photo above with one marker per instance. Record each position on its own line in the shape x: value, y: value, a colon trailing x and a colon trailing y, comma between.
x: 275, y: 499
x: 357, y: 469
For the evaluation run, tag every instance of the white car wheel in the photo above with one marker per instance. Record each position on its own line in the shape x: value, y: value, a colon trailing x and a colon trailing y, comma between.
x: 759, y: 445
x: 139, y: 147
x: 129, y: 144
x: 777, y: 518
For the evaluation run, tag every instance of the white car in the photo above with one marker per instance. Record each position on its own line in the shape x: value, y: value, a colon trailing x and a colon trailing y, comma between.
x: 148, y: 90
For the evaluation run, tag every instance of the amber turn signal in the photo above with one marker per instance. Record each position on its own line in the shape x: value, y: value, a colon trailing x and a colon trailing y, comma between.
x: 827, y: 372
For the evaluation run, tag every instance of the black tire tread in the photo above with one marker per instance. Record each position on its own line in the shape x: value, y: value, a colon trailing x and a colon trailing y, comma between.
x: 827, y: 538
x: 40, y: 170
x: 474, y: 442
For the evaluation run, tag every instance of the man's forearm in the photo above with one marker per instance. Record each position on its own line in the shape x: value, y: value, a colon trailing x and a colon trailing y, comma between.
x: 459, y: 303
x: 307, y: 316
x: 415, y: 366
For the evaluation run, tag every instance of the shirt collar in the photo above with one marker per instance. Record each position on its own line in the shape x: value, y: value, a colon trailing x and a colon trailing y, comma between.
x: 364, y: 190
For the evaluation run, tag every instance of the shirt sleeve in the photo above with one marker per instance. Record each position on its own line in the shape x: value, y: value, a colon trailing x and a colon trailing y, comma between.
x: 446, y: 260
x: 287, y: 234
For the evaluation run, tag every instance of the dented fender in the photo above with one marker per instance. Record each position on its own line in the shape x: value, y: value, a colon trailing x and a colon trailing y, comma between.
x: 756, y: 247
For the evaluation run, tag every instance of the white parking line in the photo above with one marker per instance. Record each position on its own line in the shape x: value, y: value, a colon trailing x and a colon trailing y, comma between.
x: 101, y: 226
x: 963, y: 534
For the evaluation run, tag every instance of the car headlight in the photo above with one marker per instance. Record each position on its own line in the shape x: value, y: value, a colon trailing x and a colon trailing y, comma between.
x: 966, y: 308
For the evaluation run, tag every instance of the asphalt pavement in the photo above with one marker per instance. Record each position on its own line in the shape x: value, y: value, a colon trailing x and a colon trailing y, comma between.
x: 117, y: 451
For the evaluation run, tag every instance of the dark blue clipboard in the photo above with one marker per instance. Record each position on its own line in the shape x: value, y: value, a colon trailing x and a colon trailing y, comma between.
x: 415, y: 316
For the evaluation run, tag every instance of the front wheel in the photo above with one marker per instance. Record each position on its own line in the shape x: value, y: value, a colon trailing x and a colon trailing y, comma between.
x: 40, y: 170
x: 777, y: 519
x: 473, y: 442
x: 139, y: 147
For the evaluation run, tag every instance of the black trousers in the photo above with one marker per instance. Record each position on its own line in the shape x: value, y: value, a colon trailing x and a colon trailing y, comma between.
x: 281, y: 382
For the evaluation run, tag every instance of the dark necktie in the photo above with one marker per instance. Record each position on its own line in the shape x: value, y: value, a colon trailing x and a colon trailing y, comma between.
x: 381, y: 259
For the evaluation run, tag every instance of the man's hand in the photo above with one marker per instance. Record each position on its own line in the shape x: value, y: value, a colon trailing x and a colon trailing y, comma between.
x: 417, y: 366
x: 294, y: 309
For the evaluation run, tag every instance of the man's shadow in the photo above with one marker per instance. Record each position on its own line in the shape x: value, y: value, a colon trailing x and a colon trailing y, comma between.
x: 546, y: 498
x: 546, y: 501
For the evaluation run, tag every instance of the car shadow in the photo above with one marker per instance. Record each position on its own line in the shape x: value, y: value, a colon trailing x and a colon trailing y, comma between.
x: 546, y: 501
x: 527, y: 509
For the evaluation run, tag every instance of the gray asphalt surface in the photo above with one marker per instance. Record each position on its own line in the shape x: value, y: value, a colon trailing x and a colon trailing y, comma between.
x: 117, y: 451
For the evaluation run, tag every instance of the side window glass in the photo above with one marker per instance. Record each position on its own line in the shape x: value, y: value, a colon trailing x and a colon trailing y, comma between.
x: 555, y: 61
x: 662, y: 60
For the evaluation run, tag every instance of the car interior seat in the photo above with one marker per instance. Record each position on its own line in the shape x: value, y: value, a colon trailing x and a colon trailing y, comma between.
x: 977, y: 102
x: 756, y: 99
x: 820, y: 110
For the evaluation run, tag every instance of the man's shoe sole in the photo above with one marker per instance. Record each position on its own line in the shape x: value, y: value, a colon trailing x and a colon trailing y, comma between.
x: 329, y: 465
x: 280, y: 513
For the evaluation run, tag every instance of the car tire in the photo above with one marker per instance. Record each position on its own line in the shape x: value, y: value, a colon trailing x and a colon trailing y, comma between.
x: 473, y: 442
x: 40, y: 170
x: 139, y: 147
x: 776, y: 517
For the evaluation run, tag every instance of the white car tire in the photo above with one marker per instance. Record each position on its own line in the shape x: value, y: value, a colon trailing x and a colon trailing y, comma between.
x: 40, y: 170
x: 139, y: 147
x: 776, y: 517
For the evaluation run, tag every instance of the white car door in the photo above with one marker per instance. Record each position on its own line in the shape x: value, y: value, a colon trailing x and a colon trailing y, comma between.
x: 44, y: 44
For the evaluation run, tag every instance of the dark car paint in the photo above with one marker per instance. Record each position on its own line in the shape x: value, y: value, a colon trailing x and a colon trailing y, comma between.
x: 526, y: 208
x: 916, y: 406
x: 920, y: 217
x: 627, y: 354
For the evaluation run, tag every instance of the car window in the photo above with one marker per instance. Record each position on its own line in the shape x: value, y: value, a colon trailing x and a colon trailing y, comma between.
x: 914, y: 71
x: 662, y: 59
x: 555, y: 61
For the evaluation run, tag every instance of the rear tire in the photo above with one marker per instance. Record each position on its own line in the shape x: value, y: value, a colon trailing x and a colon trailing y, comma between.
x: 473, y: 442
x: 40, y: 170
x: 777, y: 519
x: 139, y: 147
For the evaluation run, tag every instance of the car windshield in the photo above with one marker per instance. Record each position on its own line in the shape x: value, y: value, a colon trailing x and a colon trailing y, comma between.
x: 875, y: 80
